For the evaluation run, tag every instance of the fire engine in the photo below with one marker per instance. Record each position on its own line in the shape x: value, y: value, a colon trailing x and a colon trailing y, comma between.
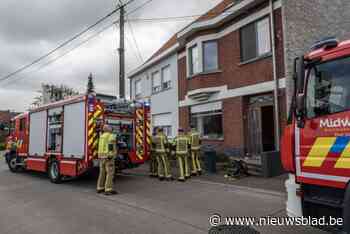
x: 316, y: 140
x: 61, y: 138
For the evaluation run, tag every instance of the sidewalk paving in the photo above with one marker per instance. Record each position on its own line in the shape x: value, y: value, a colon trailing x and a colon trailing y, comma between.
x: 274, y: 184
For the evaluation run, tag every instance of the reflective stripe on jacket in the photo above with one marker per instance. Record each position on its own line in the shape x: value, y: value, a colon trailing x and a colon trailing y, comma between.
x: 107, y: 145
x: 181, y: 143
x: 194, y: 141
x: 160, y: 140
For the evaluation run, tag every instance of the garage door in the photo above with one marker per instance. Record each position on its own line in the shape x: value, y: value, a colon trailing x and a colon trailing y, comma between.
x: 161, y: 120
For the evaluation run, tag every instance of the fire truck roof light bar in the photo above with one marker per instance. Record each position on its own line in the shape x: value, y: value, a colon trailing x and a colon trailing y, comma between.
x: 327, y: 43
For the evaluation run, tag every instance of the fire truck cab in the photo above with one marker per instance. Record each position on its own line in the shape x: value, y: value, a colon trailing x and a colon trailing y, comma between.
x: 61, y: 138
x: 316, y: 141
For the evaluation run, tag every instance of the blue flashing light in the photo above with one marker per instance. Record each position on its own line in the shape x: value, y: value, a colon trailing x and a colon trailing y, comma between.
x: 327, y: 43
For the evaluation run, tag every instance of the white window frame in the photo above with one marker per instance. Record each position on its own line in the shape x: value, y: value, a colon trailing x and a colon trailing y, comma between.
x: 166, y: 84
x: 258, y: 52
x: 217, y: 55
x: 194, y: 69
x: 138, y: 94
x: 158, y: 88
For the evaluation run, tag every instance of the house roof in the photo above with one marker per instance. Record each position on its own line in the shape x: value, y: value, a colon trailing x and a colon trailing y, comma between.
x: 212, y: 13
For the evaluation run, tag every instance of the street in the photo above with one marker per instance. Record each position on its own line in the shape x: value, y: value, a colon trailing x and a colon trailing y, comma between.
x: 31, y: 204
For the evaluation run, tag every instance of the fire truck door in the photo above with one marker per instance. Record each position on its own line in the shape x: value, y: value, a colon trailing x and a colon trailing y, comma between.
x: 323, y: 145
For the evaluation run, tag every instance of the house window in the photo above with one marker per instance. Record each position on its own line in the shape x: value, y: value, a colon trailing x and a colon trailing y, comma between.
x: 138, y: 88
x: 156, y: 82
x: 255, y: 40
x: 209, y: 124
x: 166, y: 78
x: 166, y: 130
x: 210, y: 56
x: 194, y: 60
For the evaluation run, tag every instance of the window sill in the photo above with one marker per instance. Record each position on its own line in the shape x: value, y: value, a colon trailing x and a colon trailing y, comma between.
x: 204, y: 73
x: 163, y: 90
x: 213, y: 139
x: 255, y: 59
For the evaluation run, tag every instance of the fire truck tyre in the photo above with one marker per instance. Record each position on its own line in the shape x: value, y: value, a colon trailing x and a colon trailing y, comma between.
x: 12, y: 163
x: 54, y: 172
x: 346, y: 210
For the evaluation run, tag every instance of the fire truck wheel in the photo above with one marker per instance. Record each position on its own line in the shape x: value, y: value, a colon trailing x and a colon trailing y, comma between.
x: 12, y: 163
x: 54, y: 172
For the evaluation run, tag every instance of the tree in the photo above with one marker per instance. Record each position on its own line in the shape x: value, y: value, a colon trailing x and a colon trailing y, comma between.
x: 52, y: 93
x: 90, y: 85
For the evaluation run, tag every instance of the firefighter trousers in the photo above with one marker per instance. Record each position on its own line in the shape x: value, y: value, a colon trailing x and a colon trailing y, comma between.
x: 182, y: 162
x: 105, y: 178
x: 163, y: 165
x: 153, y: 164
x: 196, y: 164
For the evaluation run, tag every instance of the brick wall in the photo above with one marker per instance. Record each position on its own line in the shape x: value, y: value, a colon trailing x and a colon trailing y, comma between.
x: 307, y: 21
x: 233, y: 73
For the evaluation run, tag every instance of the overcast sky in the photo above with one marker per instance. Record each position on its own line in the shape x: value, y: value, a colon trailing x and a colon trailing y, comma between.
x: 29, y: 29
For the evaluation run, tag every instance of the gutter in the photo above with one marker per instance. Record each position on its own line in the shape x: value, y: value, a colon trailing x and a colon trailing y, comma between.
x: 276, y: 86
x: 170, y: 51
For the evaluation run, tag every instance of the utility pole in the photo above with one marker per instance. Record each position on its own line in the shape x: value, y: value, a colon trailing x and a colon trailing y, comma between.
x: 121, y: 52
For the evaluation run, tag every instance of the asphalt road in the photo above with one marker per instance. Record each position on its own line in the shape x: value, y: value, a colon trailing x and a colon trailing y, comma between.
x: 30, y: 204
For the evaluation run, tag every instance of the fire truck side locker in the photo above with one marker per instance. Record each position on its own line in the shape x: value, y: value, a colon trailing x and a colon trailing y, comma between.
x: 37, y: 141
x: 74, y: 137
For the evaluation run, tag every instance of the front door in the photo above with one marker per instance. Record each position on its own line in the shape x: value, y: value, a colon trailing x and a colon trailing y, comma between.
x: 260, y: 125
x: 323, y: 144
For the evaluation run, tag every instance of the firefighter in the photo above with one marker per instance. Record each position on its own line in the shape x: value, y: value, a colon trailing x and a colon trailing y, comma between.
x: 181, y: 143
x: 106, y: 153
x: 195, y: 151
x: 161, y: 141
x: 11, y: 148
x: 153, y: 157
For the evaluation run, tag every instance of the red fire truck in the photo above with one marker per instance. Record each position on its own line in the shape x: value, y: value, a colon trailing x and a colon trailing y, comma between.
x: 61, y: 138
x: 316, y: 141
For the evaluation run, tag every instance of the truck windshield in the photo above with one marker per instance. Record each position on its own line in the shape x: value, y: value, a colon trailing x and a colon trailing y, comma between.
x: 328, y: 88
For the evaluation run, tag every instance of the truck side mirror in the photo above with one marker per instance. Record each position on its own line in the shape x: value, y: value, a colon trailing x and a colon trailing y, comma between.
x: 300, y: 110
x: 299, y: 71
x: 299, y: 78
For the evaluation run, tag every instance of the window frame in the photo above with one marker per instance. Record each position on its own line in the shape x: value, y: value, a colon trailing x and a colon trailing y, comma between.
x: 190, y: 60
x: 307, y: 75
x: 139, y: 81
x: 169, y: 82
x: 257, y: 55
x: 152, y: 79
x: 209, y: 114
x: 217, y: 56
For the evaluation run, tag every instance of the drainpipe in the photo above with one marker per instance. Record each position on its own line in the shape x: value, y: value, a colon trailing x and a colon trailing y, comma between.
x: 276, y: 87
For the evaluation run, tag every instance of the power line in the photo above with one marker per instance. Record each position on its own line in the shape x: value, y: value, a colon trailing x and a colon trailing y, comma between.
x: 176, y: 18
x: 66, y: 53
x: 135, y: 41
x: 63, y: 44
x: 75, y: 47
x: 139, y: 7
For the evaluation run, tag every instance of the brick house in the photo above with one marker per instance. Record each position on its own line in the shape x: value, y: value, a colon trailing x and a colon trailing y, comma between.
x: 5, y: 118
x: 234, y: 67
x: 226, y: 76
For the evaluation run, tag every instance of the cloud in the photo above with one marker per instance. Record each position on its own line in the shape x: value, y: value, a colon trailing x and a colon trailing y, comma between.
x: 29, y: 29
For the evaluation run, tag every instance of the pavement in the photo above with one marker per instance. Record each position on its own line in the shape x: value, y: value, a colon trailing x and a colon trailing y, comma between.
x: 30, y: 204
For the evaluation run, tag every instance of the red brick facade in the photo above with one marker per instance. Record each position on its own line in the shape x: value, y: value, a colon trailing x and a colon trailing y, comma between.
x: 234, y: 74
